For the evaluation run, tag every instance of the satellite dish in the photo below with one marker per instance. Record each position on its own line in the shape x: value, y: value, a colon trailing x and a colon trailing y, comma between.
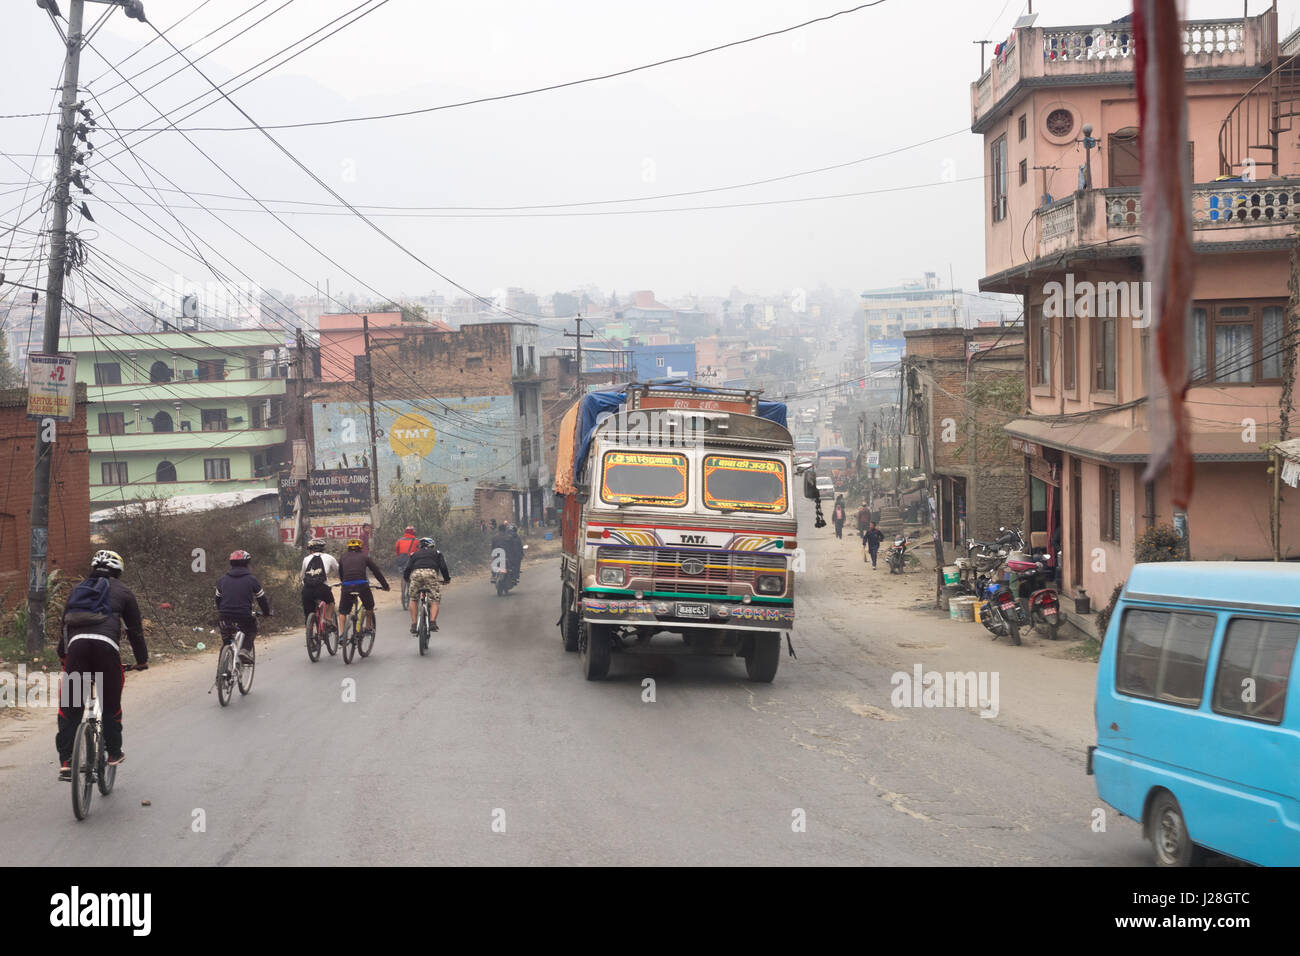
x: 190, y: 306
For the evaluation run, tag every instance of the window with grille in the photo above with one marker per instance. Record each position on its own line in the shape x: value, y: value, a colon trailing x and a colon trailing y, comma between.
x: 1103, y: 354
x: 1109, y: 511
x: 216, y: 469
x: 998, y: 171
x: 1068, y: 341
x: 113, y: 473
x: 214, y: 419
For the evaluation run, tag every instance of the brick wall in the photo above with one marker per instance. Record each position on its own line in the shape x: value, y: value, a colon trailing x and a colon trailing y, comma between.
x: 69, y: 546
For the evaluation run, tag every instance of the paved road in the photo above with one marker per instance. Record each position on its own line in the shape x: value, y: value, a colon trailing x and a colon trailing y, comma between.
x: 497, y: 724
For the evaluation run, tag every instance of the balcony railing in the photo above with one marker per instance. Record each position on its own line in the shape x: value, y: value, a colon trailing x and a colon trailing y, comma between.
x: 1100, y: 49
x: 1217, y: 205
x: 1114, y: 41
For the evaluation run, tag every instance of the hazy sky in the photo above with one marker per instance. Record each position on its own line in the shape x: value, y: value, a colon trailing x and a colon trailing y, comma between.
x: 858, y: 85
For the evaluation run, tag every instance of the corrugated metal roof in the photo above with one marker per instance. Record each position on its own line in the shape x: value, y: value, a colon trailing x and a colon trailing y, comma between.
x: 1118, y: 444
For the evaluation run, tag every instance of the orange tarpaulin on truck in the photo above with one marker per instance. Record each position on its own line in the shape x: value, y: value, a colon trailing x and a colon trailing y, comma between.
x: 564, y: 452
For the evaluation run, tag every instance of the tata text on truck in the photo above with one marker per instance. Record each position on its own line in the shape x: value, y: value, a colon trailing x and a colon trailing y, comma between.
x: 678, y: 519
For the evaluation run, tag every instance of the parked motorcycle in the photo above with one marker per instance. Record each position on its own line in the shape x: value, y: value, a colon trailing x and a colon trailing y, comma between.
x: 897, y: 555
x: 999, y: 612
x: 1038, y: 597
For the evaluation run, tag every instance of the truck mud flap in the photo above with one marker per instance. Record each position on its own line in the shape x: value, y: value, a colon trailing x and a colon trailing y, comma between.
x: 789, y: 646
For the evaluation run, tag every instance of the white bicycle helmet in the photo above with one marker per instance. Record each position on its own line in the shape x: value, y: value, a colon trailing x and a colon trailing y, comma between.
x: 109, y: 561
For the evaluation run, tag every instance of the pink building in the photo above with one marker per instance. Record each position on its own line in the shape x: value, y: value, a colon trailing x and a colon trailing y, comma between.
x: 342, y: 340
x: 1063, y: 229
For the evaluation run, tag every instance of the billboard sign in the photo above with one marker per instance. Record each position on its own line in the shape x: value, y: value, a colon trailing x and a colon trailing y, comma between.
x: 51, y: 386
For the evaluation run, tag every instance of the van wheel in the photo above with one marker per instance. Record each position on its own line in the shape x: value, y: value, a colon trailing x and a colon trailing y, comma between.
x: 594, y: 646
x: 763, y: 658
x: 1168, y: 832
x: 568, y: 622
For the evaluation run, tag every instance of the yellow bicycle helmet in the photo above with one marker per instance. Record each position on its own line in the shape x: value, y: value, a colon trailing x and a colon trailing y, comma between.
x: 354, y: 544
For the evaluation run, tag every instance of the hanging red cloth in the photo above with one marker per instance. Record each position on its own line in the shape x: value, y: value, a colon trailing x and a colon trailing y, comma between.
x: 1162, y: 111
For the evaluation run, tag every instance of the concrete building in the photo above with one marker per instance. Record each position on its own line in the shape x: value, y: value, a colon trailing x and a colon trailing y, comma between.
x: 458, y: 408
x: 1069, y: 242
x: 663, y: 361
x: 176, y: 413
x: 343, y: 340
x: 69, y: 539
x: 952, y: 376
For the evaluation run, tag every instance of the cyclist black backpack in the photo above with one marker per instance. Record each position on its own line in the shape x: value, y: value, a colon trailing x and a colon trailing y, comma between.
x: 90, y: 604
x: 315, y: 571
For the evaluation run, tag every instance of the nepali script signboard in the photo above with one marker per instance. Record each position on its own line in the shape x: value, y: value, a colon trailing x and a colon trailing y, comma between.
x: 51, y: 386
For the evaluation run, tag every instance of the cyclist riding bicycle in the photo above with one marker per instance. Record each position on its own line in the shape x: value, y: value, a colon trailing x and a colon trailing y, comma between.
x: 97, y: 610
x: 236, y: 592
x: 405, y: 546
x: 353, y: 565
x: 422, y: 572
x: 317, y: 567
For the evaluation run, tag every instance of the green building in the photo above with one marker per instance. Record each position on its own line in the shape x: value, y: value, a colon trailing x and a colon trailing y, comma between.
x: 182, y: 413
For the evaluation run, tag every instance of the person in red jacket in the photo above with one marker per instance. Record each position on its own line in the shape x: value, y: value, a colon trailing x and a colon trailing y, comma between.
x: 406, y: 545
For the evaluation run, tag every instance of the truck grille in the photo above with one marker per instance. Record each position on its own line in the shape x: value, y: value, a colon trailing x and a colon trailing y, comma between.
x: 723, y: 572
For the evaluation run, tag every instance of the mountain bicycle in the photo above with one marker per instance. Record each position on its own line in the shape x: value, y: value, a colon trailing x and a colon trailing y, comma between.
x: 423, y: 620
x: 231, y: 671
x: 320, y: 631
x: 354, y: 639
x: 90, y: 766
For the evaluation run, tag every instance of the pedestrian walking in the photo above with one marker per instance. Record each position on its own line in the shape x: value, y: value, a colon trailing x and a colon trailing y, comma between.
x: 838, y: 516
x: 872, y: 538
x: 864, y: 519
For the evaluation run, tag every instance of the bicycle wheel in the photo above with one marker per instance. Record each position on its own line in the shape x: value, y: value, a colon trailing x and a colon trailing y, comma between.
x: 246, y: 676
x: 332, y: 638
x: 422, y: 628
x: 406, y: 593
x: 313, y: 639
x: 107, y: 775
x: 365, y: 642
x: 83, y: 770
x: 349, y: 640
x: 225, y: 675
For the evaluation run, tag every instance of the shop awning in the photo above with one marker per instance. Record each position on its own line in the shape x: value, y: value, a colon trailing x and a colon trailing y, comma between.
x: 1115, y: 443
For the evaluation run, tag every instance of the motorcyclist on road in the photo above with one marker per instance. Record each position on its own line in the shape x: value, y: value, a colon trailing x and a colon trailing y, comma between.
x: 507, y: 539
x: 422, y: 572
x: 90, y: 644
x: 236, y: 592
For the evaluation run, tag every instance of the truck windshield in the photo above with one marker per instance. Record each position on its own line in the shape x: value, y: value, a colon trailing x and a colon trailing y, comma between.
x: 641, y: 478
x: 744, y: 484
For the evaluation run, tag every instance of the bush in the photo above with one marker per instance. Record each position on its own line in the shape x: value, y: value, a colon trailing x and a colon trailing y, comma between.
x: 157, y: 546
x: 1161, y: 543
x: 1103, y: 616
x: 460, y: 537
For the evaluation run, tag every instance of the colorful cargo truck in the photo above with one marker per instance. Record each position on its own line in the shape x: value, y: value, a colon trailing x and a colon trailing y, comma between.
x: 677, y: 518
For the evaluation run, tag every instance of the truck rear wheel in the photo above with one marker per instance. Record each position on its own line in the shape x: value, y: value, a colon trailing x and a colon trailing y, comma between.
x: 763, y: 658
x: 568, y: 621
x: 594, y: 645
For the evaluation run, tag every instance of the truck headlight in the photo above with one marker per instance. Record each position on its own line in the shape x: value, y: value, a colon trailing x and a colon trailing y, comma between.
x: 769, y: 584
x: 614, y: 577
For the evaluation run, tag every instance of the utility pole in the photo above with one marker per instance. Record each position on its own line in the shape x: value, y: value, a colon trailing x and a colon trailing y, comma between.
x: 898, y: 462
x: 370, y: 398
x: 578, y: 335
x: 981, y: 44
x: 304, y: 484
x: 37, y: 592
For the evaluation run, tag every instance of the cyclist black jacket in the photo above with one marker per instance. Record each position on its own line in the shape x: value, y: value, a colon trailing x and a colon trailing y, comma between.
x: 236, y: 592
x: 430, y: 559
x: 353, y: 566
x: 125, y: 612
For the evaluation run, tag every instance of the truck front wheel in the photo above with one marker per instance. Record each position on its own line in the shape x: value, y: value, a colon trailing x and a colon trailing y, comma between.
x: 594, y: 646
x: 763, y: 657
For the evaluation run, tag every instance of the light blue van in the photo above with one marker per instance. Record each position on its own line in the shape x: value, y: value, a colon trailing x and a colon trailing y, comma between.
x: 1197, y: 737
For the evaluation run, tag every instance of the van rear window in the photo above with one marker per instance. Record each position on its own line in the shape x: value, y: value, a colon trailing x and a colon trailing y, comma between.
x: 1162, y: 655
x: 1254, y: 669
